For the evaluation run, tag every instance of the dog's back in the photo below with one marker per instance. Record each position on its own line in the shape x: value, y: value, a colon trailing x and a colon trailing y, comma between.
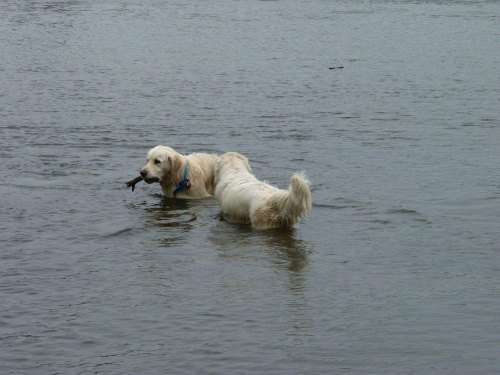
x: 233, y: 190
x: 244, y: 199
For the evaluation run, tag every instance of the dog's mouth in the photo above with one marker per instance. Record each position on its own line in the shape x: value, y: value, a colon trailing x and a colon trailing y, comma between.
x: 152, y: 180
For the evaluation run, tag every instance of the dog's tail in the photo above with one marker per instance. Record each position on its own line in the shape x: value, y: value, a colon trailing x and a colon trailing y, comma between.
x: 284, y: 208
x: 300, y: 193
x: 298, y: 199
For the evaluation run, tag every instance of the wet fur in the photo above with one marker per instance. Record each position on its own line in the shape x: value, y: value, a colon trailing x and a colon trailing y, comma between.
x: 244, y: 199
x: 166, y: 166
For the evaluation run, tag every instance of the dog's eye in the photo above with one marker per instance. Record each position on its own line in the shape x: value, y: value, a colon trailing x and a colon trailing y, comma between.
x: 157, y: 161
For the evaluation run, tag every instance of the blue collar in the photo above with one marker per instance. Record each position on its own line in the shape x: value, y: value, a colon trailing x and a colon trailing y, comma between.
x: 183, y: 184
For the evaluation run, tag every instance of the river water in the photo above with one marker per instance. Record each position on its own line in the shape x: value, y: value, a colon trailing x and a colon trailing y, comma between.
x: 395, y: 270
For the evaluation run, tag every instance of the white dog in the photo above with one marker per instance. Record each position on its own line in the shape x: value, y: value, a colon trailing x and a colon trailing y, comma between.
x: 244, y: 199
x: 180, y: 176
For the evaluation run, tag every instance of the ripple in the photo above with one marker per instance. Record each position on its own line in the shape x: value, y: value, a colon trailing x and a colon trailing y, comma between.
x: 121, y: 232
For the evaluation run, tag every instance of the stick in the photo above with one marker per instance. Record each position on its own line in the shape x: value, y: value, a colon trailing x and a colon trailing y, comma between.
x: 133, y: 182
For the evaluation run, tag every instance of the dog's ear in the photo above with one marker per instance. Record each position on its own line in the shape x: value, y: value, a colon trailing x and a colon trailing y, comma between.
x: 175, y: 162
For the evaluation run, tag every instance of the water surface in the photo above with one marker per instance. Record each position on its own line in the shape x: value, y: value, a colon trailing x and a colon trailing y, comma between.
x: 394, y: 271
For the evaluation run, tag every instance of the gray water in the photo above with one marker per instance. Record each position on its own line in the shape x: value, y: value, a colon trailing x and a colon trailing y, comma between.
x: 395, y: 270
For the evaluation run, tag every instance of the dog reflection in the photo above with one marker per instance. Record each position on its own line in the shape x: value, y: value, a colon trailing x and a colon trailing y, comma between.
x: 175, y: 213
x: 279, y: 246
x: 175, y: 217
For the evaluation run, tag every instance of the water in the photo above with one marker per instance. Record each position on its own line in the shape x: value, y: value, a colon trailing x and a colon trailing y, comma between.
x: 395, y: 271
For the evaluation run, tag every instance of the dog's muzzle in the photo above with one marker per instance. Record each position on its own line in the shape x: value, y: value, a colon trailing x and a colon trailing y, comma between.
x: 144, y: 175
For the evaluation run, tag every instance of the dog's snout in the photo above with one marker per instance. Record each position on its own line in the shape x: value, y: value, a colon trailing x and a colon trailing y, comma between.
x: 143, y: 173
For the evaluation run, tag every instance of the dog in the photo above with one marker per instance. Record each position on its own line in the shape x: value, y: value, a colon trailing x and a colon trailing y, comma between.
x: 244, y: 199
x: 180, y: 176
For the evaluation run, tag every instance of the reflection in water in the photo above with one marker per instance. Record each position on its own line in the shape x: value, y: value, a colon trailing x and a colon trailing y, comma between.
x: 279, y: 249
x: 175, y: 216
x: 280, y: 246
x: 289, y: 248
x: 171, y: 213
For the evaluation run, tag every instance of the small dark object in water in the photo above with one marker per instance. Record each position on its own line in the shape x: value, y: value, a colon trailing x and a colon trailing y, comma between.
x: 133, y: 182
x: 336, y: 67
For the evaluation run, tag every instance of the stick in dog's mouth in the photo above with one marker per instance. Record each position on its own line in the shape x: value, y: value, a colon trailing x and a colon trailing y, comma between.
x: 134, y: 181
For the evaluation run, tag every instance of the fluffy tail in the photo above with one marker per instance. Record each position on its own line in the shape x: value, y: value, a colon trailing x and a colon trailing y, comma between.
x: 299, y: 196
x: 294, y: 204
x: 284, y: 208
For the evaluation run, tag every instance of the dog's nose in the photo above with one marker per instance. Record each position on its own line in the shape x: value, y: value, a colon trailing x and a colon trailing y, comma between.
x: 143, y: 173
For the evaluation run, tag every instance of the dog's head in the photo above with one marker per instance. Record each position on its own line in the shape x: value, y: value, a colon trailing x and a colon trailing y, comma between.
x: 161, y: 162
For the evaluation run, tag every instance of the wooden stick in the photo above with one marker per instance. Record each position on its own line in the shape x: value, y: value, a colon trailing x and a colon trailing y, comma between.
x: 133, y: 182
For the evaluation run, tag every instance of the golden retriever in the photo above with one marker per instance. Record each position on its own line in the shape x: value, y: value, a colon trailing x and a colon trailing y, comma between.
x: 180, y: 176
x: 244, y: 199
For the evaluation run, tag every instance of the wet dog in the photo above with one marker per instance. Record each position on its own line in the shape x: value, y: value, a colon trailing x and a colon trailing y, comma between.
x: 244, y: 199
x: 181, y: 176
